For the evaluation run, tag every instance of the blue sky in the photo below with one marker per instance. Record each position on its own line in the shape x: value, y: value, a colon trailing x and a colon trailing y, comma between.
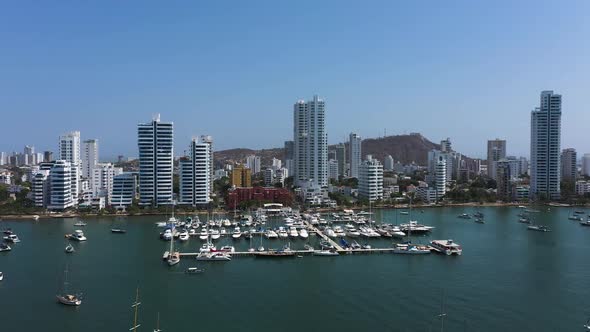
x: 468, y: 70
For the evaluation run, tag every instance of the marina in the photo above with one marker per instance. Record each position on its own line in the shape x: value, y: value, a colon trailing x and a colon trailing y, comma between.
x: 397, y: 292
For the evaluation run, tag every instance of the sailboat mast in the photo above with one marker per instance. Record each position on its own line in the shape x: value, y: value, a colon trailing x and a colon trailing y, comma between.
x: 135, y: 306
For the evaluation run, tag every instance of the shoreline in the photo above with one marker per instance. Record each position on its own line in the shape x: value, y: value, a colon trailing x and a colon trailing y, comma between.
x: 312, y: 210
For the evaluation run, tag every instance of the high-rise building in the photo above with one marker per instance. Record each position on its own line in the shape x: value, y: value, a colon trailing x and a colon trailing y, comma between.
x: 196, y: 173
x: 333, y: 169
x: 102, y: 180
x: 311, y: 143
x: 69, y: 147
x: 524, y: 165
x: 253, y: 163
x: 445, y: 145
x: 47, y: 156
x: 586, y: 164
x: 341, y: 158
x: 241, y: 176
x: 61, y: 187
x: 388, y: 163
x: 503, y: 178
x: 124, y: 190
x: 355, y: 142
x: 440, y: 176
x: 370, y: 183
x: 40, y: 188
x: 155, y: 143
x: 89, y: 158
x: 496, y: 151
x: 569, y: 165
x: 546, y: 147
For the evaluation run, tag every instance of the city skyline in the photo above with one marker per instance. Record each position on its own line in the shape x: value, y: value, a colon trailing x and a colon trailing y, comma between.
x: 113, y: 80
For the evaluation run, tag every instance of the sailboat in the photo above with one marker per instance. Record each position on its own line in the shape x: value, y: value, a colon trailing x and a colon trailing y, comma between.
x: 157, y: 329
x: 173, y: 257
x: 66, y: 298
x: 135, y: 307
x: 407, y: 247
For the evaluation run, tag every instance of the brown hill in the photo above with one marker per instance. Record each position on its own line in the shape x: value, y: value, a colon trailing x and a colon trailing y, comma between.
x: 403, y: 148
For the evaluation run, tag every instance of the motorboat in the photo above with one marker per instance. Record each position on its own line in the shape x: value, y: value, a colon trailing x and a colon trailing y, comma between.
x: 13, y: 238
x: 4, y: 247
x: 173, y: 258
x: 538, y: 228
x: 303, y: 233
x: 326, y: 253
x: 193, y: 270
x: 261, y: 248
x: 293, y: 232
x: 237, y: 233
x: 229, y: 249
x: 479, y: 220
x: 204, y: 235
x: 35, y: 217
x: 325, y: 245
x: 118, y: 230
x: 448, y: 247
x: 69, y: 249
x: 1, y: 276
x: 7, y: 231
x: 585, y: 223
x: 410, y: 249
x: 339, y: 231
x: 283, y: 234
x: 464, y: 216
x: 166, y: 235
x: 80, y: 224
x: 329, y: 232
x: 404, y: 212
x: 213, y: 256
x: 215, y: 234
x: 415, y: 228
x: 161, y: 224
x: 524, y: 220
x: 207, y: 247
x: 226, y: 223
x: 270, y: 234
x: 275, y: 254
x: 352, y: 232
x: 77, y: 236
x: 183, y: 236
x: 355, y: 245
x: 366, y: 246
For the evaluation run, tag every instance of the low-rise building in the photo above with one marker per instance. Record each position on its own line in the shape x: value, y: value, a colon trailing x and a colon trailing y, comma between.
x: 582, y: 187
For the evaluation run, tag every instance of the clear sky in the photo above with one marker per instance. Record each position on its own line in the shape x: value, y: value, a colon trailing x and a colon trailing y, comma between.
x: 468, y: 70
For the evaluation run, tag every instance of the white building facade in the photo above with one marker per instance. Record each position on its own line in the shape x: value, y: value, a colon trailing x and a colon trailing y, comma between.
x: 355, y: 143
x: 370, y: 185
x: 89, y: 158
x: 196, y: 173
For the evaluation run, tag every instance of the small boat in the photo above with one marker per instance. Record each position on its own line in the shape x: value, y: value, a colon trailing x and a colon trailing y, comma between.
x: 4, y: 247
x: 69, y: 249
x: 204, y: 235
x: 538, y: 228
x: 1, y: 276
x: 77, y: 236
x: 283, y: 234
x: 293, y: 232
x: 64, y: 297
x: 329, y: 232
x: 166, y: 235
x: 237, y: 233
x: 303, y: 233
x: 479, y: 221
x: 183, y: 236
x: 260, y: 248
x: 524, y: 220
x: 404, y: 212
x: 464, y: 216
x: 366, y: 246
x: 173, y: 258
x: 575, y: 218
x: 227, y: 249
x: 12, y: 238
x: 215, y: 234
x: 80, y: 224
x: 410, y: 249
x: 118, y: 230
x: 207, y: 247
x: 326, y: 253
x: 585, y: 223
x: 193, y: 270
x: 270, y: 234
x: 308, y: 247
x: 579, y: 212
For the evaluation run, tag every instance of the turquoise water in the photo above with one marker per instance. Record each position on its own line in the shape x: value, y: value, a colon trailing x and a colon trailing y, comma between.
x: 507, y: 279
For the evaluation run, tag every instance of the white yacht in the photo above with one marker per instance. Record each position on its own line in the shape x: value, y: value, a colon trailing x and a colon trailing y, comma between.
x: 1, y: 276
x: 283, y: 233
x: 166, y: 235
x: 80, y: 223
x: 339, y: 231
x: 69, y: 249
x: 237, y: 233
x: 303, y: 233
x: 204, y: 235
x: 326, y: 253
x: 448, y: 247
x: 215, y: 234
x: 12, y: 238
x: 329, y: 232
x: 226, y: 223
x: 270, y: 234
x: 410, y: 249
x: 229, y: 249
x: 183, y: 236
x: 78, y: 236
x: 4, y: 247
x: 293, y: 232
x: 213, y: 256
x: 173, y: 258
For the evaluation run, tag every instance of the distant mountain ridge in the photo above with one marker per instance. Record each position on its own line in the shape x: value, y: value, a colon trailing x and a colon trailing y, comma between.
x: 404, y: 148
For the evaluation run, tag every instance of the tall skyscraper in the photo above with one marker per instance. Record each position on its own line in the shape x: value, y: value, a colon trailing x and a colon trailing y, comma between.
x: 496, y: 151
x: 195, y: 173
x: 355, y: 142
x: 89, y: 158
x: 341, y: 158
x: 586, y: 164
x: 289, y: 155
x: 445, y: 145
x: 311, y: 143
x: 569, y: 164
x: 61, y: 196
x: 370, y: 185
x: 69, y: 147
x: 253, y: 163
x: 546, y: 147
x: 440, y: 176
x: 155, y: 143
x: 504, y: 174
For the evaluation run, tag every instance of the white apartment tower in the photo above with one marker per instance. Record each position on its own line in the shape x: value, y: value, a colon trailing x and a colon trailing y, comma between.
x: 102, y: 180
x: 61, y: 178
x: 586, y: 164
x: 546, y: 147
x: 89, y: 158
x: 69, y: 150
x: 355, y: 142
x: 196, y: 173
x: 371, y: 179
x: 253, y: 163
x: 440, y: 177
x: 310, y: 143
x: 155, y: 143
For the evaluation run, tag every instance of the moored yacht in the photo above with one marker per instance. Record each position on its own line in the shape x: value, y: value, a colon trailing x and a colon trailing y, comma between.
x: 12, y: 238
x: 207, y: 247
x: 448, y: 247
x: 293, y: 232
x: 215, y: 234
x: 283, y: 233
x: 414, y: 227
x: 410, y: 249
x: 303, y: 233
x: 183, y: 236
x: 339, y: 231
x: 229, y: 249
x: 329, y: 232
x: 4, y: 247
x: 270, y: 234
x: 213, y: 256
x: 236, y: 233
x: 77, y: 236
x: 538, y: 228
x: 204, y: 235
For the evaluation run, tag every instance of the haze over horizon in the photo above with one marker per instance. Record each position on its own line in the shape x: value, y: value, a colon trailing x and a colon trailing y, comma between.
x: 464, y: 70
